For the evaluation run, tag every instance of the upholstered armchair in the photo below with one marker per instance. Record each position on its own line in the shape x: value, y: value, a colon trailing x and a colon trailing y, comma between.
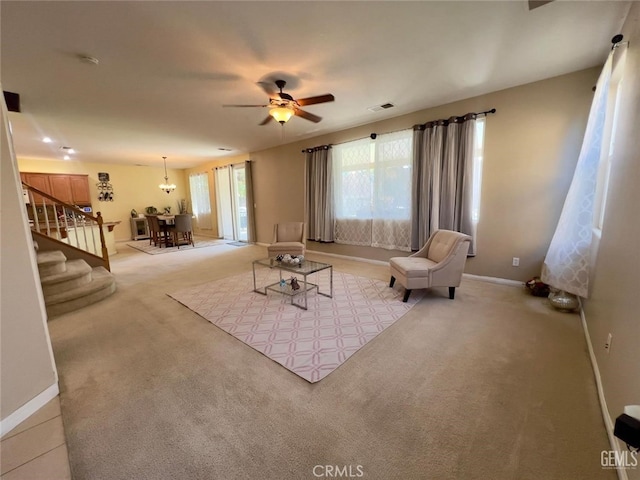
x: 440, y: 263
x: 287, y: 238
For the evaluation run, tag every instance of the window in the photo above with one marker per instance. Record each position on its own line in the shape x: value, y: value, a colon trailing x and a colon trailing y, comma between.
x: 372, y: 190
x: 199, y: 185
x: 608, y: 145
x: 478, y: 155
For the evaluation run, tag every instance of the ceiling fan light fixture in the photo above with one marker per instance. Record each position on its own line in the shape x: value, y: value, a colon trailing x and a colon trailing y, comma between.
x: 281, y: 114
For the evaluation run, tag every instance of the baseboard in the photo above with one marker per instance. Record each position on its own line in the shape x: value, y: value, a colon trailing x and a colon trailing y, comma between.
x: 608, y: 423
x: 28, y: 409
x: 499, y: 281
x: 348, y: 257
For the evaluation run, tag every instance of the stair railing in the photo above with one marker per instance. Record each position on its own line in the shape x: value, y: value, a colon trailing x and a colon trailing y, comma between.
x: 59, y: 220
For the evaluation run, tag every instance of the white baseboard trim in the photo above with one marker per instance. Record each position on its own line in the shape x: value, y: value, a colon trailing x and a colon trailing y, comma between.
x: 608, y: 423
x: 499, y: 281
x: 28, y: 409
x: 349, y: 257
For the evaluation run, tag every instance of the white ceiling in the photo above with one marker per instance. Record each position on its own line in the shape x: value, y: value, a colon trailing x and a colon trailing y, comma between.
x: 166, y: 68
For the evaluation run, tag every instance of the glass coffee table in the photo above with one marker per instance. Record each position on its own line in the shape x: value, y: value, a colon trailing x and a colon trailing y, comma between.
x: 302, y: 271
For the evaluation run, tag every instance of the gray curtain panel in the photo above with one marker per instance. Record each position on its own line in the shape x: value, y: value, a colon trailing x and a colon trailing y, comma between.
x: 320, y: 212
x: 442, y: 182
x: 251, y: 214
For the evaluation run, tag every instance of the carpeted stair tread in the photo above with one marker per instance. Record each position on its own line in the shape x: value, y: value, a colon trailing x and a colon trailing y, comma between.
x: 51, y: 262
x: 78, y: 273
x: 101, y: 280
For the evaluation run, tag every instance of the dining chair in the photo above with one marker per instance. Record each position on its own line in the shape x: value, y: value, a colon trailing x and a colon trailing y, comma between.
x: 159, y: 231
x: 182, y: 230
x: 154, y: 227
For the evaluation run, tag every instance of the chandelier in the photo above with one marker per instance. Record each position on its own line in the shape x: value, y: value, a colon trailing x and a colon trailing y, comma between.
x: 166, y: 186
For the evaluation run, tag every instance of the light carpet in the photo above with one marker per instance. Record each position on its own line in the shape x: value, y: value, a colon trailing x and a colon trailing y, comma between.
x: 144, y: 246
x: 311, y: 343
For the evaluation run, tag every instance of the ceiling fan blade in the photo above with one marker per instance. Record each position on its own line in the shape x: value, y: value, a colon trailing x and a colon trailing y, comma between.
x: 245, y: 105
x: 313, y: 100
x: 269, y: 88
x: 307, y: 116
x: 266, y: 120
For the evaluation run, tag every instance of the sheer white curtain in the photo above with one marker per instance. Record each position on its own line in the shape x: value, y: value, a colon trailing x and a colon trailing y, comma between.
x: 567, y: 263
x: 372, y: 194
x: 200, y: 200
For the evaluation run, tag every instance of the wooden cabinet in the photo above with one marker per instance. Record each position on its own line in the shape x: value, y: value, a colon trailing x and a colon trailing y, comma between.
x: 68, y: 188
x: 39, y: 181
x: 80, y: 189
x: 61, y: 188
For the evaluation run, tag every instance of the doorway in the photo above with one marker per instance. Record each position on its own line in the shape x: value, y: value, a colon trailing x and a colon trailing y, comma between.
x: 231, y: 199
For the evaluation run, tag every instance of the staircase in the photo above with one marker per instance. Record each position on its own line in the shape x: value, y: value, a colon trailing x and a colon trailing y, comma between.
x: 70, y: 285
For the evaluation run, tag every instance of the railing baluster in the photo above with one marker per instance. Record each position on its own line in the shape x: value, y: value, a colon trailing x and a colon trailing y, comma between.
x: 55, y: 211
x: 84, y: 233
x: 75, y: 231
x: 93, y: 238
x: 46, y: 216
x: 66, y: 224
x: 35, y: 211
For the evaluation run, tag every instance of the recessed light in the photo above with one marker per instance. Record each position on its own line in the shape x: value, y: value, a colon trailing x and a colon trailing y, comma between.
x: 46, y: 140
x: 71, y: 150
x: 67, y: 157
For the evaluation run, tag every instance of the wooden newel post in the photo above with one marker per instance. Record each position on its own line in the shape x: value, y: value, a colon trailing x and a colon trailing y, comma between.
x: 105, y: 252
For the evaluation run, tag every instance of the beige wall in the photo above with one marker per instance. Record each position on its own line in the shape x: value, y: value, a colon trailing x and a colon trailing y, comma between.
x: 26, y: 360
x: 531, y: 148
x: 614, y: 303
x: 135, y: 187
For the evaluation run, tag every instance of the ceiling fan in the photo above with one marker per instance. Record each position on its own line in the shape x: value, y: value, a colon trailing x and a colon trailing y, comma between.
x: 283, y: 106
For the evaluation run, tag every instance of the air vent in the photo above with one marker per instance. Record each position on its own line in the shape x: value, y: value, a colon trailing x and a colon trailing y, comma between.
x: 378, y: 108
x: 224, y: 149
x: 12, y: 100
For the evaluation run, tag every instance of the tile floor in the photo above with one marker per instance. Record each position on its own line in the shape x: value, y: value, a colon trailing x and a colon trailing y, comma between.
x: 36, y: 449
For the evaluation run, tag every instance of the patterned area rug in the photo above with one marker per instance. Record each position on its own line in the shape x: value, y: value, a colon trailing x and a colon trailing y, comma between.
x: 311, y: 343
x: 143, y: 246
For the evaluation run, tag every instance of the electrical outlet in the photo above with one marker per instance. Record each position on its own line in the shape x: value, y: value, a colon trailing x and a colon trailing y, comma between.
x: 607, y: 346
x: 515, y: 262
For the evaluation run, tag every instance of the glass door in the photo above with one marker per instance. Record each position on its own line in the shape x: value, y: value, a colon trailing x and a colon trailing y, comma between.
x: 239, y: 189
x: 224, y: 201
x: 231, y: 196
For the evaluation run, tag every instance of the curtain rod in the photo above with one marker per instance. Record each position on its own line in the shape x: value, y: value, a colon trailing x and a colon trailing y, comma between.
x: 373, y: 135
x: 422, y: 126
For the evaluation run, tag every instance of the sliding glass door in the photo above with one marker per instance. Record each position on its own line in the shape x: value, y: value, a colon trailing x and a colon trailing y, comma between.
x: 239, y: 187
x: 231, y: 199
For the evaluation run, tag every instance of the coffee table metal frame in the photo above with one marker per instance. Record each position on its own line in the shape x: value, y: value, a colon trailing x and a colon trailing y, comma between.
x: 303, y: 270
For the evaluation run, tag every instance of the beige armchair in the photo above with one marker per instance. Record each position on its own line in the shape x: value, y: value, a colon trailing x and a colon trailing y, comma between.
x: 439, y: 263
x: 287, y: 238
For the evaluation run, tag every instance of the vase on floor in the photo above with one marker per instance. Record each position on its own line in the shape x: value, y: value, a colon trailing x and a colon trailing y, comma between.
x: 563, y: 301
